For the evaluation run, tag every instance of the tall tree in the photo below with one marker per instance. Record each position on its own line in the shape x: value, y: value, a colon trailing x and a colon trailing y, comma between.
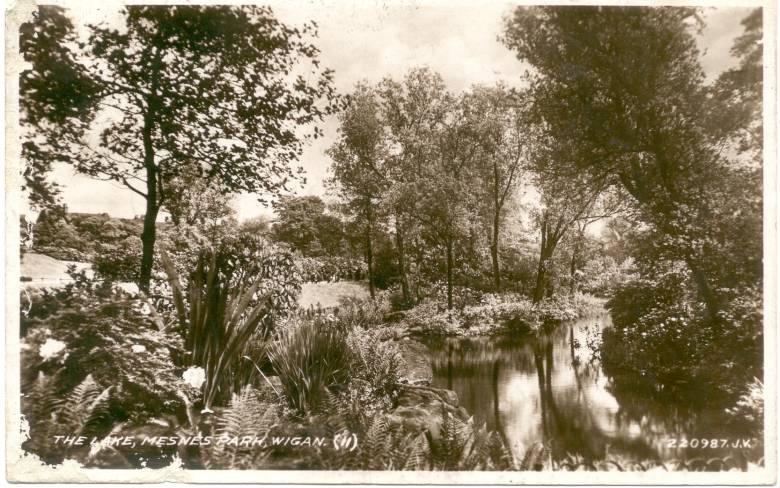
x: 220, y: 88
x: 736, y: 113
x: 54, y: 94
x: 412, y: 109
x: 499, y: 124
x: 446, y: 198
x: 565, y: 203
x: 301, y: 221
x: 623, y: 88
x: 359, y: 157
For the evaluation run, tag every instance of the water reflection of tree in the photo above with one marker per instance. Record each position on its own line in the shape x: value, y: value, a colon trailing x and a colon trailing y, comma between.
x: 569, y: 426
x: 566, y: 429
x: 570, y: 415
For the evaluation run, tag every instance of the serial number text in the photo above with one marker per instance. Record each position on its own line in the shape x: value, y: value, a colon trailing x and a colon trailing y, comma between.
x: 711, y: 443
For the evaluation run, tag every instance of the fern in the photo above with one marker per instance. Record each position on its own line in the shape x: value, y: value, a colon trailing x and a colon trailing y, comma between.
x: 85, y: 408
x: 84, y: 411
x: 39, y: 406
x: 246, y: 416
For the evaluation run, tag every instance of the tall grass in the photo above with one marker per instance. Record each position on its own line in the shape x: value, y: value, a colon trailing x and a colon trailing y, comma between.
x: 310, y: 358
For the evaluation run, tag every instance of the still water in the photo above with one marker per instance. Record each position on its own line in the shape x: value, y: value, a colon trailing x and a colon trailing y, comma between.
x: 552, y: 389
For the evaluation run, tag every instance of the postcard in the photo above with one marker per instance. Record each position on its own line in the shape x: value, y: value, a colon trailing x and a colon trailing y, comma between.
x: 404, y: 242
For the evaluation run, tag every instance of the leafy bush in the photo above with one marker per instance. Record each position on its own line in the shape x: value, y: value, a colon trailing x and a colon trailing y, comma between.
x: 118, y: 261
x: 310, y: 358
x: 497, y: 313
x: 95, y: 359
x: 663, y: 342
x: 362, y: 312
x: 462, y: 296
x: 430, y: 318
x: 330, y: 268
x: 375, y: 371
x: 87, y: 328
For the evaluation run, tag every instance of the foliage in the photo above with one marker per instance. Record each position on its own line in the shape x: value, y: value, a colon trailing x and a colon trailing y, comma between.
x: 217, y: 88
x: 118, y: 261
x: 83, y: 411
x: 52, y: 93
x: 73, y: 236
x: 602, y: 276
x: 94, y: 329
x: 375, y: 371
x: 365, y: 313
x: 245, y: 417
x: 310, y: 358
x: 226, y: 306
x: 329, y: 268
x: 667, y: 342
x: 303, y: 224
x: 386, y: 445
x: 749, y: 408
x: 634, y: 119
x: 498, y: 313
x: 95, y: 359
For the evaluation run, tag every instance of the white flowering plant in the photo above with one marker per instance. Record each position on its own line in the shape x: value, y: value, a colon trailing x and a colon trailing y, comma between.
x: 90, y: 328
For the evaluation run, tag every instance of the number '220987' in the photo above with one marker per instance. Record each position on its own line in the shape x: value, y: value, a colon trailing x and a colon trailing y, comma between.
x: 711, y: 443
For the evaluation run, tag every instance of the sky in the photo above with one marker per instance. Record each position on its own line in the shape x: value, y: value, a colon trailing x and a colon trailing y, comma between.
x: 370, y: 40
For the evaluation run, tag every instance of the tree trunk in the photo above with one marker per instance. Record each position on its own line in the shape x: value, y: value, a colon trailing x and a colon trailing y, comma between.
x: 449, y: 275
x: 149, y: 234
x: 541, y: 274
x: 370, y: 260
x: 148, y: 237
x: 494, y: 252
x: 399, y: 242
x: 575, y: 256
x: 705, y: 290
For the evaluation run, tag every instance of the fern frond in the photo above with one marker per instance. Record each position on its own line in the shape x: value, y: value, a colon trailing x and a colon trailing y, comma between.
x: 245, y: 417
x: 84, y: 407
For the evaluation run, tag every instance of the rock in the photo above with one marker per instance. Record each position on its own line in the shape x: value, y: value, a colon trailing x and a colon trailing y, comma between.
x: 423, y: 408
x: 415, y: 365
x: 420, y: 407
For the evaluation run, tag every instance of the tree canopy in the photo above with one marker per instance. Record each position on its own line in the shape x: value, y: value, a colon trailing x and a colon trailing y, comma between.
x: 222, y: 89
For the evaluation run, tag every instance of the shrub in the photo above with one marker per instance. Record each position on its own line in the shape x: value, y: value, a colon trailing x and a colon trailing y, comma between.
x: 663, y: 341
x: 362, y: 312
x: 429, y: 318
x: 330, y: 268
x: 375, y: 371
x: 95, y: 359
x: 118, y: 261
x: 87, y: 328
x: 310, y: 358
x: 495, y: 311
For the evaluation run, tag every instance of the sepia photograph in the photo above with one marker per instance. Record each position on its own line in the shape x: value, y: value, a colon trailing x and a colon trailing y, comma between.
x: 402, y: 242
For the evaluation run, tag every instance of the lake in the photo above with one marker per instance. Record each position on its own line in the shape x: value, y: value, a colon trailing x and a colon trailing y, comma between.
x: 551, y: 388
